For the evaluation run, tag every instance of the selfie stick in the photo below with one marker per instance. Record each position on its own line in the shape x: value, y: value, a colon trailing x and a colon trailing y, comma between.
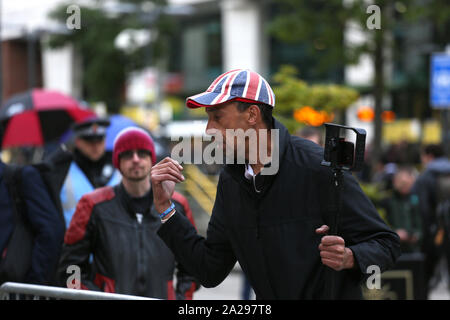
x: 339, y: 155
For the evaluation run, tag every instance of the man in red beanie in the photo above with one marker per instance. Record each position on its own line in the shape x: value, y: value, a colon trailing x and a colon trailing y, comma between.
x: 117, y: 226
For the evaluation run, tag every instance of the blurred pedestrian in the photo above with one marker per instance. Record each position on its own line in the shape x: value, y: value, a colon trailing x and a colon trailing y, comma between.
x: 402, y: 210
x: 272, y: 215
x: 86, y: 168
x: 310, y: 133
x: 25, y: 204
x: 383, y: 171
x: 118, y: 225
x: 433, y: 195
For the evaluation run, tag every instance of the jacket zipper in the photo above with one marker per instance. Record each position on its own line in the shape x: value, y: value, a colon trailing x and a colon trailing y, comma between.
x: 256, y: 207
x: 258, y: 218
x: 140, y: 262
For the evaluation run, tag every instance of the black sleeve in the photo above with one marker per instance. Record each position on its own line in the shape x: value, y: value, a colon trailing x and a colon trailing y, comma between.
x: 186, y: 283
x: 46, y: 225
x: 77, y: 246
x: 425, y: 189
x: 364, y: 231
x: 209, y: 260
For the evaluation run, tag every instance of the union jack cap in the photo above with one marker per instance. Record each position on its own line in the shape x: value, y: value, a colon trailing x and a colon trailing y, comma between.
x: 239, y: 84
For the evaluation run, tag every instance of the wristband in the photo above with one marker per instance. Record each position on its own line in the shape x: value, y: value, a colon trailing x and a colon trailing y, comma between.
x: 168, y: 210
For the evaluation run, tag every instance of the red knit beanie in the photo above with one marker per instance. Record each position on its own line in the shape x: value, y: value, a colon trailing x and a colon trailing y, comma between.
x: 132, y: 138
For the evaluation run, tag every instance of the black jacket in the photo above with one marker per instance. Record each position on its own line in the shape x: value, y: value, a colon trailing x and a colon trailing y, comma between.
x: 272, y: 234
x: 127, y: 255
x: 43, y: 218
x: 426, y: 188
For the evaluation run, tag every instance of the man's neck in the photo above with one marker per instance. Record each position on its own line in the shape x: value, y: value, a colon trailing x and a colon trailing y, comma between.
x: 136, y: 189
x: 93, y: 170
x: 267, y: 145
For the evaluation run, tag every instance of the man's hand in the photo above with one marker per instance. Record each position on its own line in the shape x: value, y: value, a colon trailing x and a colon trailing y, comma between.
x: 403, y: 235
x: 164, y: 175
x: 333, y: 252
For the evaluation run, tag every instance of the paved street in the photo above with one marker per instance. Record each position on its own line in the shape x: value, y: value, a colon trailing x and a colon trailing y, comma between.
x: 440, y: 293
x: 229, y: 289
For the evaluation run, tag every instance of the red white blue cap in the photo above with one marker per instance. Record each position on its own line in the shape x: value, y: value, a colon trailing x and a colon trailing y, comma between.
x: 239, y: 84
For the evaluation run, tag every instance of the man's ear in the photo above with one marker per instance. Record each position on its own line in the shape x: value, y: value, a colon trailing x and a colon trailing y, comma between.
x: 254, y: 114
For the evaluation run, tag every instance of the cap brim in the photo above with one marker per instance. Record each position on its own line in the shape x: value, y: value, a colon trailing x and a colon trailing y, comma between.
x: 206, y: 99
x: 92, y: 137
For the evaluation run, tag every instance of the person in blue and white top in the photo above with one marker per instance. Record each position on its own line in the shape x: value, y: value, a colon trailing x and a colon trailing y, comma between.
x: 87, y: 168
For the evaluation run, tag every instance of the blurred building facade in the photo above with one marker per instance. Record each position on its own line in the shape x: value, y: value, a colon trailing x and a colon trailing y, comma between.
x: 228, y: 34
x: 26, y: 61
x: 215, y: 36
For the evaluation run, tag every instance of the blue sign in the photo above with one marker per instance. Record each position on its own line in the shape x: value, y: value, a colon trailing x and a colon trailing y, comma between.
x: 440, y: 81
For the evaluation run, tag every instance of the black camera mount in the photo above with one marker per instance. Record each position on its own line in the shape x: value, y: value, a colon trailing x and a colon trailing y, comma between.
x: 340, y: 155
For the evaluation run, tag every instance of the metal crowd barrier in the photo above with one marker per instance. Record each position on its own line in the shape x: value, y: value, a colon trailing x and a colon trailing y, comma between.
x: 22, y: 291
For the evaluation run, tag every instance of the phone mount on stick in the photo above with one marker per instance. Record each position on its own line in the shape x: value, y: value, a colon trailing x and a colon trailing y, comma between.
x: 340, y: 155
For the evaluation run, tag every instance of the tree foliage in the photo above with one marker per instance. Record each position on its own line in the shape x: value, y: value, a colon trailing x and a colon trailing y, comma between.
x: 105, y: 67
x: 321, y: 26
x: 292, y: 93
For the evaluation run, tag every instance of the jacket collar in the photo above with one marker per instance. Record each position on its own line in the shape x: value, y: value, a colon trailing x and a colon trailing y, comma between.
x: 126, y: 201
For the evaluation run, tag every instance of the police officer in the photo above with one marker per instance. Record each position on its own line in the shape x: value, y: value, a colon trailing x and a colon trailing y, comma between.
x: 87, y: 167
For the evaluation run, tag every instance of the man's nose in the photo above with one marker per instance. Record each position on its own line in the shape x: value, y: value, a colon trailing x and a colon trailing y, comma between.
x: 135, y: 156
x: 210, y: 128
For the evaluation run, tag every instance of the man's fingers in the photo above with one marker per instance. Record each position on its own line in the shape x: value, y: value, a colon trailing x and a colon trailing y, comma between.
x: 168, y: 164
x: 332, y: 247
x: 170, y: 160
x: 338, y: 248
x: 331, y: 255
x: 323, y: 229
x: 332, y: 240
x: 157, y: 172
x: 332, y: 259
x: 165, y: 177
x: 160, y: 171
x: 332, y: 264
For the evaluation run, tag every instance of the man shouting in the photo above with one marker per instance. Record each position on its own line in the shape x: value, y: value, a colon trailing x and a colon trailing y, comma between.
x: 274, y: 224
